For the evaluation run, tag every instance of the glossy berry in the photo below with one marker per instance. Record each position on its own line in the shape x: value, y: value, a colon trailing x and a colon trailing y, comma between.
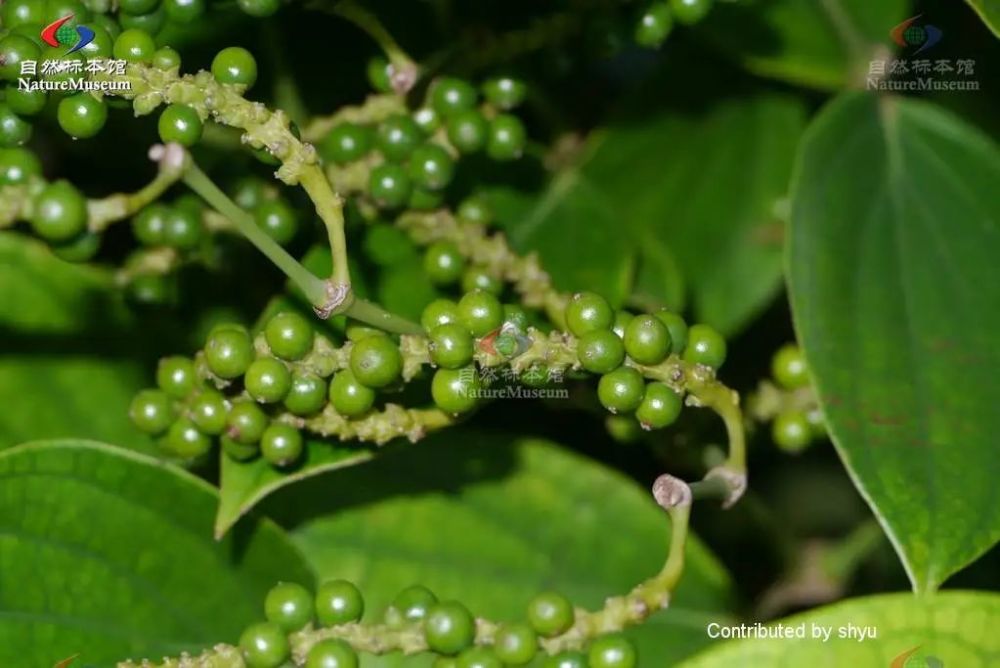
x: 376, y: 361
x: 451, y: 346
x: 208, y: 412
x: 623, y: 428
x: 17, y: 166
x: 444, y: 262
x: 427, y: 119
x: 150, y: 411
x: 586, y: 312
x: 468, y: 131
x: 550, y: 614
x: 478, y: 657
x: 612, y: 651
x: 14, y: 131
x: 26, y: 102
x: 183, y: 228
x: 600, y: 351
x: 20, y: 12
x: 289, y: 335
x: 480, y: 278
x: 410, y: 605
x: 439, y: 312
x: 338, y: 602
x: 246, y: 422
x: 332, y: 653
x: 480, y: 312
x: 185, y: 440
x: 507, y: 138
x: 622, y: 319
x: 621, y: 390
x: 151, y: 289
x: 505, y: 92
x: 184, y: 11
x: 454, y: 390
x: 789, y: 367
x: 149, y: 225
x: 705, y: 346
x: 566, y: 660
x: 241, y: 452
x: 422, y: 199
x: 397, y: 137
x: 791, y: 430
x: 229, y: 352
x: 307, y: 394
x: 690, y: 12
x: 678, y: 330
x: 431, y: 166
x: 346, y: 142
x: 137, y: 6
x: 14, y: 50
x: 475, y: 210
x: 281, y: 444
x: 660, y: 406
x: 235, y: 65
x: 289, y: 605
x: 267, y: 380
x: 180, y: 123
x: 379, y: 75
x: 390, y: 185
x: 647, y: 339
x: 59, y: 212
x: 135, y: 46
x: 264, y: 645
x: 450, y: 96
x: 654, y: 25
x: 176, y: 376
x: 278, y: 219
x: 349, y: 396
x: 259, y: 8
x: 449, y: 628
x: 516, y: 644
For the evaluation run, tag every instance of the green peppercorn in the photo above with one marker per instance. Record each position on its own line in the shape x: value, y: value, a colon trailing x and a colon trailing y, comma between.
x: 338, y: 602
x: 621, y: 390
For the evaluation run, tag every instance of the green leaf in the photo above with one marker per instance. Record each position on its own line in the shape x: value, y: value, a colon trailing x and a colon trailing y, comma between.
x: 67, y: 363
x: 707, y: 186
x: 895, y: 238
x: 109, y: 554
x: 957, y: 628
x: 576, y: 229
x: 823, y: 44
x: 691, y: 197
x: 989, y: 12
x: 492, y: 522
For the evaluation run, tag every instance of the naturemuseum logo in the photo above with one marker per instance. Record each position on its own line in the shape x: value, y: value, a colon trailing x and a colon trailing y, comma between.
x: 910, y: 34
x: 914, y: 658
x: 58, y: 33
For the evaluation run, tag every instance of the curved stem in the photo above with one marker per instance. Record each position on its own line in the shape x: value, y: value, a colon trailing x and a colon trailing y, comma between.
x: 330, y: 208
x: 313, y: 288
x: 373, y: 314
x: 364, y: 19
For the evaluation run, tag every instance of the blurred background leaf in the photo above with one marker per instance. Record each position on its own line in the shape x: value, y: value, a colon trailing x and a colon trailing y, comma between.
x: 894, y: 293
x: 989, y: 12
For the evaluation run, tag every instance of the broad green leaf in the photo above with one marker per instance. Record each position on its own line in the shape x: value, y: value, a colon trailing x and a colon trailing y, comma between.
x: 954, y: 628
x: 576, y: 228
x: 823, y: 44
x: 492, y: 522
x: 989, y: 12
x: 709, y: 186
x: 109, y: 554
x: 70, y: 354
x: 692, y: 195
x: 895, y: 238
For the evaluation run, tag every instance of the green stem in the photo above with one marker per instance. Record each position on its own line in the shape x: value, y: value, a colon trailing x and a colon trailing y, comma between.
x: 101, y: 213
x: 330, y: 208
x: 843, y: 559
x: 373, y: 314
x: 313, y: 288
x: 364, y: 19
